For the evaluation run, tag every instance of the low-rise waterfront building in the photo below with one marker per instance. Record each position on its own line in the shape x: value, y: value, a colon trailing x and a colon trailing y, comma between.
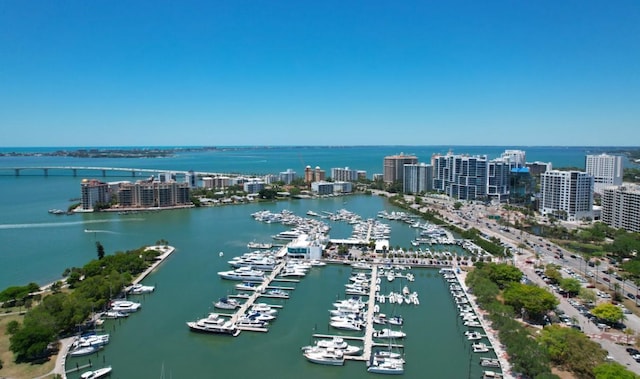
x: 322, y: 188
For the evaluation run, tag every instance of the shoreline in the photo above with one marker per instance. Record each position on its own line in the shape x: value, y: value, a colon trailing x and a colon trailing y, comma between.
x: 61, y: 358
x: 490, y: 333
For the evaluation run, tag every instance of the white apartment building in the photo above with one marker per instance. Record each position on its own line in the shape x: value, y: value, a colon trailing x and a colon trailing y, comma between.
x: 517, y: 158
x: 605, y: 169
x: 344, y: 174
x: 287, y: 176
x: 328, y: 188
x: 621, y: 207
x: 417, y: 178
x: 567, y: 195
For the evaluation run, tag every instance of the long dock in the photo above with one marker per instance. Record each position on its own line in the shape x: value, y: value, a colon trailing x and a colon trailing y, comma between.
x: 78, y: 368
x: 368, y: 330
x: 254, y: 296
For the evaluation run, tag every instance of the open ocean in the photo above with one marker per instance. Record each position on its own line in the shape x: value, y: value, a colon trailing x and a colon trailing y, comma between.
x: 36, y: 246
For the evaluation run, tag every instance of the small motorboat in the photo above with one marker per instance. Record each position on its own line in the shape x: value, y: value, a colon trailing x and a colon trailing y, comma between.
x: 99, y: 373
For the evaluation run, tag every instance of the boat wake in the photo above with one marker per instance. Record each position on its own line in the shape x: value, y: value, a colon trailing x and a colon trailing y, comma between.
x: 62, y: 224
x: 100, y: 231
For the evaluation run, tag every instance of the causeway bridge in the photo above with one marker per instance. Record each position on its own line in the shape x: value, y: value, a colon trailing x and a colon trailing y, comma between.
x: 86, y: 170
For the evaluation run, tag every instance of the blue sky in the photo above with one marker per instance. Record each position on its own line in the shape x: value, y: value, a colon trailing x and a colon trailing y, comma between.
x: 414, y: 72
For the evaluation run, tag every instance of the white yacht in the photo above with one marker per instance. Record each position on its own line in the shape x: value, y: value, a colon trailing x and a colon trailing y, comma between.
x: 256, y: 263
x: 351, y: 317
x: 243, y: 273
x: 287, y: 235
x: 139, y: 289
x: 480, y: 347
x: 489, y: 362
x: 396, y: 320
x: 125, y: 306
x: 472, y: 336
x: 227, y: 303
x: 491, y: 375
x: 346, y: 350
x: 248, y: 286
x: 257, y: 245
x: 214, y: 324
x: 91, y: 340
x: 388, y: 333
x: 387, y: 366
x: 347, y: 324
x: 388, y: 354
x: 354, y: 302
x: 290, y: 271
x: 325, y: 356
x: 99, y: 373
x: 263, y: 308
x: 260, y: 316
x: 85, y: 350
x: 335, y: 342
x: 277, y: 292
x: 356, y: 290
x: 114, y: 314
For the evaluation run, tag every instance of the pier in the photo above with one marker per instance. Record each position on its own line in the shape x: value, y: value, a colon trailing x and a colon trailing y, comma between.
x: 165, y: 252
x: 254, y: 296
x: 78, y: 368
x: 368, y: 330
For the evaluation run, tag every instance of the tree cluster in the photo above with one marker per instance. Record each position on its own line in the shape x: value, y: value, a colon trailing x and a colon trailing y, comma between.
x: 62, y: 313
x: 529, y: 354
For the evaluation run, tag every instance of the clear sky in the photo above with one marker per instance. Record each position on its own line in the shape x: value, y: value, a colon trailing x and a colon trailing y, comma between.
x: 233, y: 72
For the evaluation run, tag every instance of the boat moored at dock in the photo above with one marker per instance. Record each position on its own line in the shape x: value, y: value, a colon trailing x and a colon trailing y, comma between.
x: 94, y: 374
x: 323, y: 356
x: 214, y: 324
x: 246, y: 274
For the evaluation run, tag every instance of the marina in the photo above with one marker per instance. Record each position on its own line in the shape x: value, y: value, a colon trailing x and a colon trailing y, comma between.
x: 301, y: 313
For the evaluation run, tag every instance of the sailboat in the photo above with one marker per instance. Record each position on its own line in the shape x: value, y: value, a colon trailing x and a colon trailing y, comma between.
x: 386, y: 362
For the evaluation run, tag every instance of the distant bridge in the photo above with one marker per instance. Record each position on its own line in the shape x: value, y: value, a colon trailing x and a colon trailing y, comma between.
x: 75, y: 170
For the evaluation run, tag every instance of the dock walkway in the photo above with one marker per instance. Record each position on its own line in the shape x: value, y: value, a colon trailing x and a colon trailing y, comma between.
x: 490, y: 334
x: 255, y: 295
